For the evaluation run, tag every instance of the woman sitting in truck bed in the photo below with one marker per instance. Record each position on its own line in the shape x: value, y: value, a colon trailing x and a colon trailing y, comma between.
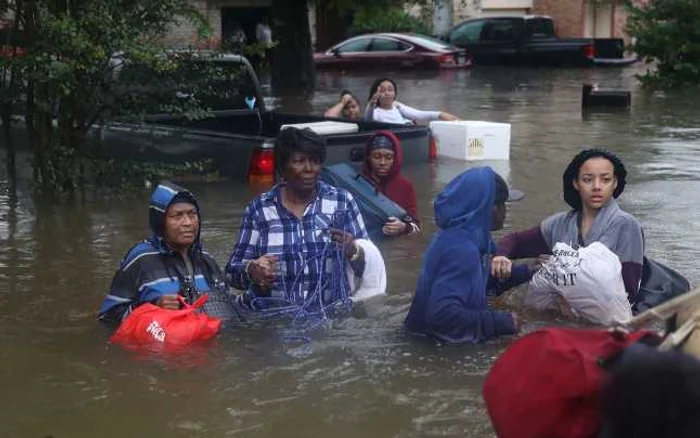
x: 382, y: 106
x: 347, y: 107
x: 383, y: 159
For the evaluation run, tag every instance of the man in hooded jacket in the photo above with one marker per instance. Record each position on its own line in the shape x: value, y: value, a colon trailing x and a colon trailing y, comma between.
x: 169, y: 263
x: 450, y: 301
x: 383, y: 162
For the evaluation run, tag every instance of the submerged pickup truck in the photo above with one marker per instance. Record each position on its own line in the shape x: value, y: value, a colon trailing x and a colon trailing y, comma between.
x: 240, y: 135
x: 531, y: 40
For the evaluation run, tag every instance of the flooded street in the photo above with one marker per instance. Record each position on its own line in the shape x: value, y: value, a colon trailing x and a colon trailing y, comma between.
x: 362, y: 377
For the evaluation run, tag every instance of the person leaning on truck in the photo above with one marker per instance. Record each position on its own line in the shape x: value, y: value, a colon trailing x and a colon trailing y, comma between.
x: 383, y: 160
x: 348, y: 107
x: 287, y: 226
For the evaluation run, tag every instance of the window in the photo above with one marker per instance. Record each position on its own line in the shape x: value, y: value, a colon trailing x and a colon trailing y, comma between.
x: 498, y: 30
x: 468, y: 33
x: 388, y: 45
x: 539, y: 28
x: 358, y: 45
x: 429, y: 42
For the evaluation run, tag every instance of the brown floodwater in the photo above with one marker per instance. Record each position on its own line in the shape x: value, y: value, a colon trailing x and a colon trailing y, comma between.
x: 361, y: 376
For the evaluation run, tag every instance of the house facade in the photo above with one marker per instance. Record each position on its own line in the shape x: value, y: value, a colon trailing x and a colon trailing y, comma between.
x: 572, y: 18
x: 585, y: 18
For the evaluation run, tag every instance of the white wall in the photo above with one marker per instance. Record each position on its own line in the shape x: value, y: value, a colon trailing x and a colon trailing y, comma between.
x: 506, y: 4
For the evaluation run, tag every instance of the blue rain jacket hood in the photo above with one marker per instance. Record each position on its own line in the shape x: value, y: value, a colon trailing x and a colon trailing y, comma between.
x: 161, y: 198
x: 467, y: 203
x: 450, y: 300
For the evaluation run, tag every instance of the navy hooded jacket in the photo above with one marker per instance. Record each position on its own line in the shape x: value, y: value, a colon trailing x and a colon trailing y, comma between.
x: 151, y: 269
x: 450, y: 300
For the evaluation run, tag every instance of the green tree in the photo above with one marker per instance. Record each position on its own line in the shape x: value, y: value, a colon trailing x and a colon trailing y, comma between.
x: 667, y: 34
x: 77, y: 63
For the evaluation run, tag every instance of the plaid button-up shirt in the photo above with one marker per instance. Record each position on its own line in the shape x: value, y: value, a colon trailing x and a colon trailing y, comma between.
x: 269, y: 228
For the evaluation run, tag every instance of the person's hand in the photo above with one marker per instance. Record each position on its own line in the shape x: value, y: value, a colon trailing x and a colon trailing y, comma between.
x: 448, y: 117
x: 375, y: 97
x: 345, y: 99
x: 501, y: 267
x: 394, y: 226
x: 539, y: 261
x: 516, y: 322
x: 345, y: 240
x: 263, y: 271
x: 564, y: 308
x: 169, y: 302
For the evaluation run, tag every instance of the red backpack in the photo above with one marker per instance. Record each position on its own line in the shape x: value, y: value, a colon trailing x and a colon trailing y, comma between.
x: 152, y: 326
x: 547, y: 384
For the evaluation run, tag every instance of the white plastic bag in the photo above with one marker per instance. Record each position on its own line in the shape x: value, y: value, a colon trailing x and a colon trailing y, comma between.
x: 589, y: 279
x: 373, y: 280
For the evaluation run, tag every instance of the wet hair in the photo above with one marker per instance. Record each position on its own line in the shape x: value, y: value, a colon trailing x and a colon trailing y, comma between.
x: 183, y: 196
x: 571, y: 195
x: 652, y: 395
x: 373, y: 88
x: 292, y: 140
x: 344, y: 92
x: 502, y: 192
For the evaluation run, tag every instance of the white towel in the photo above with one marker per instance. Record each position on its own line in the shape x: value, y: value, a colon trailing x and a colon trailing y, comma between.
x: 373, y: 281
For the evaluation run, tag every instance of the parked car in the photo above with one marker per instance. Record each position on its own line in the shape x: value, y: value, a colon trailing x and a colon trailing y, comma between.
x: 388, y: 51
x: 239, y: 138
x: 10, y: 44
x: 531, y: 40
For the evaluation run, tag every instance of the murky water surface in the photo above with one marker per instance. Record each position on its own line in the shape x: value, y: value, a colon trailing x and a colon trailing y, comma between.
x: 361, y: 377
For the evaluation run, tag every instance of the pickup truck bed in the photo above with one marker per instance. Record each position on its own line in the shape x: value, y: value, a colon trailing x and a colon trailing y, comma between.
x: 237, y: 138
x: 231, y: 138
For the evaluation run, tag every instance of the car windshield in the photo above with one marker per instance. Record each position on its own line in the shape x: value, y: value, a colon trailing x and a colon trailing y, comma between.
x: 429, y: 42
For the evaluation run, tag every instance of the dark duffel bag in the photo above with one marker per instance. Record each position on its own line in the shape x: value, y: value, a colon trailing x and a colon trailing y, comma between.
x: 659, y: 283
x: 375, y: 207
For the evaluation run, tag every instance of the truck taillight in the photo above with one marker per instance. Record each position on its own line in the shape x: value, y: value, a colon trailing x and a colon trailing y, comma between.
x: 589, y: 51
x: 262, y: 163
x: 432, y: 149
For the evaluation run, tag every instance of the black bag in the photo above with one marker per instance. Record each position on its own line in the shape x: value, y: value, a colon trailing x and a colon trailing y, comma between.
x: 659, y: 283
x: 375, y: 207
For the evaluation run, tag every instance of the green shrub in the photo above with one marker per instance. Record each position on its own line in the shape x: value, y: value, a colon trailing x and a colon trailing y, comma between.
x: 667, y: 33
x: 370, y: 20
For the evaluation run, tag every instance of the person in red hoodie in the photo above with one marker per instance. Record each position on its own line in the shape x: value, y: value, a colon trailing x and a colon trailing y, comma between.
x: 383, y: 160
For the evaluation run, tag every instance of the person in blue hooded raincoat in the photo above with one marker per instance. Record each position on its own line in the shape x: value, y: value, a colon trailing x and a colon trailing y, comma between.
x: 450, y: 301
x: 169, y: 263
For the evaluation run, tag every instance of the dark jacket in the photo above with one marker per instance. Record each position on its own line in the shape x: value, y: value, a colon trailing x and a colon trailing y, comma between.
x: 450, y: 300
x: 151, y: 269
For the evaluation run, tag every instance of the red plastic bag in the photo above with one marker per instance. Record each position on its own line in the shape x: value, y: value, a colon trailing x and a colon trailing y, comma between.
x: 547, y: 384
x: 152, y: 326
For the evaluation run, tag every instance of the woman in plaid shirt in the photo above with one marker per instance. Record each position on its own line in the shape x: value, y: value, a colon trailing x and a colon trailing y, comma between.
x: 281, y: 249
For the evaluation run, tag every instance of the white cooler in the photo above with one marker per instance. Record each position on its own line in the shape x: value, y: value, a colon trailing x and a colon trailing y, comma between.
x: 472, y: 140
x: 326, y: 128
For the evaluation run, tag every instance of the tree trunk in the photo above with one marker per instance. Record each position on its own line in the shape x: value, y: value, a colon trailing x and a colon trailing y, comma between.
x: 331, y: 26
x: 10, y: 154
x: 292, y: 58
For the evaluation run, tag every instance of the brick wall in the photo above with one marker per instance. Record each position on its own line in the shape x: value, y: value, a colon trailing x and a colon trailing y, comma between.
x: 568, y: 15
x: 184, y: 34
x: 620, y: 20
